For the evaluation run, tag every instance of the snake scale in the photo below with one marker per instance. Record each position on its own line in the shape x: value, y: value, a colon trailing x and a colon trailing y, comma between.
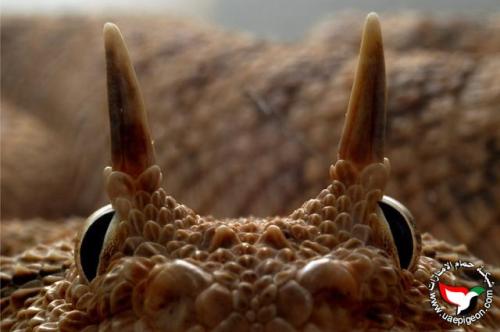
x: 244, y: 126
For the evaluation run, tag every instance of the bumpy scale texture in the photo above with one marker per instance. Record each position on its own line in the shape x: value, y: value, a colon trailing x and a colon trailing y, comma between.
x: 320, y: 269
x: 225, y: 156
x: 323, y: 267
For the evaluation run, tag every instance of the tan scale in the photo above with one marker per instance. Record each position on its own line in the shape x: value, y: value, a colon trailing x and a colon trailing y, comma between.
x: 330, y: 265
x: 223, y: 156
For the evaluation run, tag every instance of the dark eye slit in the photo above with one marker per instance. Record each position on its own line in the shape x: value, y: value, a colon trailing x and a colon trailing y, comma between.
x: 92, y: 243
x: 401, y: 232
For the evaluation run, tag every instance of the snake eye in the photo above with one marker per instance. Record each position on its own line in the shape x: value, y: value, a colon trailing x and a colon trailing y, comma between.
x: 401, y: 224
x: 90, y: 245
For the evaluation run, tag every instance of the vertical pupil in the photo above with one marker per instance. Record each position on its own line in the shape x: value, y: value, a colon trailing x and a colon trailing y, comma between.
x: 92, y: 243
x: 401, y: 232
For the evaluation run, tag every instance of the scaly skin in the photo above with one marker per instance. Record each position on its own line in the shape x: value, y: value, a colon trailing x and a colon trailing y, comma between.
x: 329, y: 265
x: 443, y: 123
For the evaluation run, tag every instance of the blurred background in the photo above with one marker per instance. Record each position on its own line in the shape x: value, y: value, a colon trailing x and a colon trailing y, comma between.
x: 246, y: 101
x: 280, y: 20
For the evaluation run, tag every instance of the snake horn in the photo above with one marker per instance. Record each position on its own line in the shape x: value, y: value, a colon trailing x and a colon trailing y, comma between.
x: 132, y: 148
x: 363, y: 136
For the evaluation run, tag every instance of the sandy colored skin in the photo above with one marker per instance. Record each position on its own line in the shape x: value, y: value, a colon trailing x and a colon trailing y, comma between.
x: 52, y: 286
x: 225, y: 157
x: 165, y: 268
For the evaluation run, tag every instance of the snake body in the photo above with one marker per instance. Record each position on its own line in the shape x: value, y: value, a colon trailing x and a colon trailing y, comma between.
x: 208, y: 92
x: 245, y: 127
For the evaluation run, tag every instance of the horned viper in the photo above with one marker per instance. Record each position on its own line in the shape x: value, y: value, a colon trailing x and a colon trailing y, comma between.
x: 224, y: 103
x: 348, y: 259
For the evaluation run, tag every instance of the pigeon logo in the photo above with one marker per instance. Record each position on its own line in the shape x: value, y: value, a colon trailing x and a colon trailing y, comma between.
x: 462, y: 297
x: 458, y: 304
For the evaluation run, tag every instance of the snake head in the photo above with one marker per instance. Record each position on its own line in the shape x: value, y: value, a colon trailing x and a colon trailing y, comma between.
x: 338, y: 261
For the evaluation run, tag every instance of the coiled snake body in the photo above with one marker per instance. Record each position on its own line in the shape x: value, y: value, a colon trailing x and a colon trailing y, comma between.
x: 329, y: 264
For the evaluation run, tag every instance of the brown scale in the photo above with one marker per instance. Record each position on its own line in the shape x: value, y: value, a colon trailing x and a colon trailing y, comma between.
x: 332, y: 264
x: 208, y: 91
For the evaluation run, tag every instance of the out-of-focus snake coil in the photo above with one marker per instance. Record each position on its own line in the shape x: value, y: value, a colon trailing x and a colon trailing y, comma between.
x: 245, y: 126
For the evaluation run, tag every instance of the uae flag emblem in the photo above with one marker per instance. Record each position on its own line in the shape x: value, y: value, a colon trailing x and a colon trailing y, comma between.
x: 463, y: 298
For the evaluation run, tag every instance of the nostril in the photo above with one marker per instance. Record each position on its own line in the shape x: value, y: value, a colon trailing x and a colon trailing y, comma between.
x: 402, y: 229
x: 92, y: 241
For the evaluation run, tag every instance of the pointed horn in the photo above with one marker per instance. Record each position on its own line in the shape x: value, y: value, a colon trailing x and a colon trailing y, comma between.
x: 363, y: 137
x: 132, y: 149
